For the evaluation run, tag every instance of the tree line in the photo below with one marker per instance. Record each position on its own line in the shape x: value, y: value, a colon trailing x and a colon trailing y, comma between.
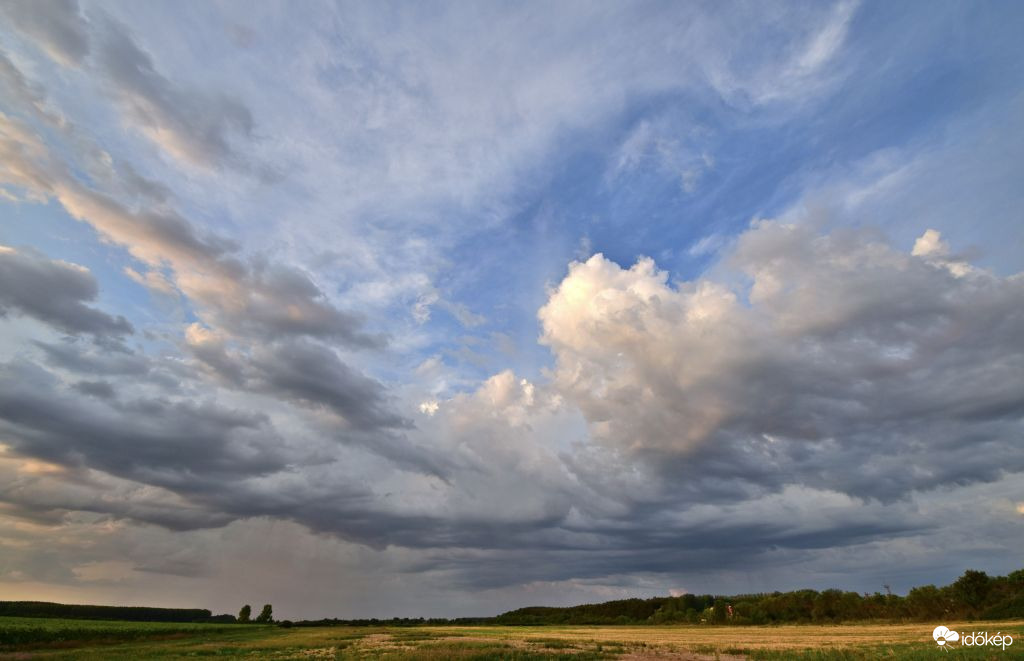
x: 90, y: 612
x: 266, y: 615
x: 975, y: 595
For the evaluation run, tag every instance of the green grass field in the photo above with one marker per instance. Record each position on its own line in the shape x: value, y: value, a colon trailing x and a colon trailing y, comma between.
x: 19, y: 632
x: 36, y: 638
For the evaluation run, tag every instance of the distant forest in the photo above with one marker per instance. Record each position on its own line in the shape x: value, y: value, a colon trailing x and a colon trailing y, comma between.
x: 89, y: 612
x: 975, y: 595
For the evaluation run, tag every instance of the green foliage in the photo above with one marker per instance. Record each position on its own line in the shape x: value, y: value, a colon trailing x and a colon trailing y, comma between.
x: 223, y: 618
x: 244, y: 614
x: 89, y: 612
x: 719, y: 612
x: 974, y: 594
x: 1009, y: 609
x: 624, y: 611
x: 266, y: 615
x: 927, y: 603
x: 972, y: 588
x: 22, y: 631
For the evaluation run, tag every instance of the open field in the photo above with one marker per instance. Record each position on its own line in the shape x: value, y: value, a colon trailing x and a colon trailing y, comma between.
x: 24, y: 638
x: 21, y: 631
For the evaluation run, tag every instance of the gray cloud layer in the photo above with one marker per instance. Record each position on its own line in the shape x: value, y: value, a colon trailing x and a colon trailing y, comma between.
x: 196, y: 126
x: 56, y: 26
x: 725, y: 421
x: 151, y: 440
x: 54, y: 292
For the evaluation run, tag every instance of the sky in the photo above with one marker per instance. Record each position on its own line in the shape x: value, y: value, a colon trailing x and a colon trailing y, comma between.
x: 443, y: 309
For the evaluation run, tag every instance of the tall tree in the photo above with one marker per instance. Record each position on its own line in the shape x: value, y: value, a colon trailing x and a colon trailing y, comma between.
x: 266, y: 615
x: 243, y: 615
x: 972, y: 588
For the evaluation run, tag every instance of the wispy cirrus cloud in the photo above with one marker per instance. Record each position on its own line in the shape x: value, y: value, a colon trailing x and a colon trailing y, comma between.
x: 57, y: 27
x: 196, y: 126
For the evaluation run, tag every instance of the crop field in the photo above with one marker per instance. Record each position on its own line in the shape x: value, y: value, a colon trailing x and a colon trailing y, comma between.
x: 20, y: 632
x: 36, y: 638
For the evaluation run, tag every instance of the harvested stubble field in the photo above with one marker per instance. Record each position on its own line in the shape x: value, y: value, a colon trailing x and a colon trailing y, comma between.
x: 71, y: 639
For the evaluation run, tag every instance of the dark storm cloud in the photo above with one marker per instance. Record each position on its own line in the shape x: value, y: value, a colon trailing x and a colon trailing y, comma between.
x: 481, y: 556
x: 151, y: 440
x: 213, y: 457
x: 283, y: 301
x: 93, y: 361
x: 314, y: 377
x: 301, y: 371
x: 313, y: 374
x: 53, y: 292
x: 100, y: 389
x: 203, y: 452
x: 47, y: 501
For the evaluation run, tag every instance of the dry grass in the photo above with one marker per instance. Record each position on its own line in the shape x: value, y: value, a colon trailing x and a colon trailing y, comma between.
x: 577, y: 643
x: 795, y: 636
x: 672, y: 642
